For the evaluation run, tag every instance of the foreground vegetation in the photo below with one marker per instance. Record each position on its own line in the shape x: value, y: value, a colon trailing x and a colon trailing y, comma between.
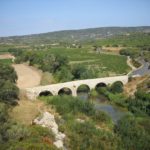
x: 14, y: 135
x: 79, y: 121
x: 85, y: 127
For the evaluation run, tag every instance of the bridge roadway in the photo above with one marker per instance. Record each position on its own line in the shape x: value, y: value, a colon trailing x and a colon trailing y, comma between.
x: 33, y: 93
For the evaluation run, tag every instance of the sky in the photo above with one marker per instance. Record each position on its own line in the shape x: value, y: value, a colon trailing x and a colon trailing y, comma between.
x: 21, y: 17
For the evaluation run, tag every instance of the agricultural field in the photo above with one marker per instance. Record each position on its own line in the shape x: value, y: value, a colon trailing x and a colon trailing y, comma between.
x: 102, y: 62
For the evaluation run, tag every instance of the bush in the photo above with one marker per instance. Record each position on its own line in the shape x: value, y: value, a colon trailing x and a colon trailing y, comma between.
x: 8, y: 92
x: 133, y: 53
x: 117, y: 87
x: 93, y: 94
x: 86, y: 136
x: 17, y: 132
x: 101, y: 117
x: 140, y: 105
x: 7, y: 73
x: 68, y: 104
x: 63, y: 75
x: 38, y: 131
x: 3, y: 113
x: 132, y: 134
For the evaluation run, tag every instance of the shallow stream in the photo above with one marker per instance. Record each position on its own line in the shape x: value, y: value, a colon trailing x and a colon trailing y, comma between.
x: 114, y: 112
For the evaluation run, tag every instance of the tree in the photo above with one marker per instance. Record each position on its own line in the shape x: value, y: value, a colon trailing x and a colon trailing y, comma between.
x: 64, y: 74
x: 8, y: 92
x: 7, y: 73
x: 78, y: 71
x: 60, y: 60
x: 117, y: 87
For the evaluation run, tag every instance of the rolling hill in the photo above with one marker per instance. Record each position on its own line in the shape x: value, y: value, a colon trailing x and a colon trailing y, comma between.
x: 73, y: 35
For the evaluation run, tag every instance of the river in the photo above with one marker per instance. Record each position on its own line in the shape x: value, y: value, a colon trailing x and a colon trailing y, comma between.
x: 113, y: 111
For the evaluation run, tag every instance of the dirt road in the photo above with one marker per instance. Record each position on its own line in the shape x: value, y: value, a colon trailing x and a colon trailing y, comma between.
x: 131, y: 87
x: 27, y: 76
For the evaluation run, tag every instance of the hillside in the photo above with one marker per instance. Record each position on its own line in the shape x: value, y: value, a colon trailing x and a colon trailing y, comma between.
x: 73, y: 35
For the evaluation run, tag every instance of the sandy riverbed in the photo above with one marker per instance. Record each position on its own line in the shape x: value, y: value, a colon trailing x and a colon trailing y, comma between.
x: 27, y: 76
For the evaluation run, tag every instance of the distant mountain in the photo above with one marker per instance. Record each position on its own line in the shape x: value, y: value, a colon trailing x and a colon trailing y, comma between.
x: 72, y: 35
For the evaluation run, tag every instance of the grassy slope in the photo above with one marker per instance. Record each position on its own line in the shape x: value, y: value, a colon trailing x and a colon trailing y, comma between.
x: 132, y: 40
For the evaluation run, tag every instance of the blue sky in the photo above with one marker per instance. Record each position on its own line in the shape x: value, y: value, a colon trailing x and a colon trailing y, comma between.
x: 19, y: 17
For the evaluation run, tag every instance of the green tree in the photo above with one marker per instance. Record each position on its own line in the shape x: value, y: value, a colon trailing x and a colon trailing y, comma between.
x: 7, y: 73
x: 64, y: 74
x: 117, y: 87
x: 8, y: 92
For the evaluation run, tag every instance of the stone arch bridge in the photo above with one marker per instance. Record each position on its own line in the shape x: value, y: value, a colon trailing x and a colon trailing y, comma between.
x: 33, y: 93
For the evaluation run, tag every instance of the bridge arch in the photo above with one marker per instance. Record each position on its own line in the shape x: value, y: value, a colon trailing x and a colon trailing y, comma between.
x: 65, y: 90
x: 45, y: 93
x: 100, y: 85
x: 118, y: 82
x: 83, y: 88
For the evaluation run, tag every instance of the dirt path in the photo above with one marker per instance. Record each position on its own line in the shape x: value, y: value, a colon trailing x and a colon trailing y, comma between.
x: 27, y: 110
x: 27, y: 76
x: 7, y: 56
x: 129, y: 63
x: 131, y: 87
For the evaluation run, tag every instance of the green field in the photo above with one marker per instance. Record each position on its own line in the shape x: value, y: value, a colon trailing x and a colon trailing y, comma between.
x: 102, y: 62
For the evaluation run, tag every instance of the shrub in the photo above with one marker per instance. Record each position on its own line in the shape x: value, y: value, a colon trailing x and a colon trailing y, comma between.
x: 132, y: 134
x: 68, y: 104
x: 3, y: 113
x: 17, y: 132
x: 101, y: 117
x: 87, y: 136
x: 8, y: 92
x: 117, y: 87
x: 7, y: 73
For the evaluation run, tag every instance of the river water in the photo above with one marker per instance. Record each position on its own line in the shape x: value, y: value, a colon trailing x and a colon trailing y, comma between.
x: 114, y: 112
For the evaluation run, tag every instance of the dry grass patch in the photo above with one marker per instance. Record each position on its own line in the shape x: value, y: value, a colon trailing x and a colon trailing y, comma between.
x: 113, y: 49
x: 26, y: 110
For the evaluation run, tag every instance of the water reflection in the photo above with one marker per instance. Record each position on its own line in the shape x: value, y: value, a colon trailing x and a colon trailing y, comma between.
x: 114, y: 112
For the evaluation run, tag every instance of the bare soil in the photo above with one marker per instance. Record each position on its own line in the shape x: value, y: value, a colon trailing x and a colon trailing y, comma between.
x: 27, y: 76
x: 26, y: 111
x: 131, y: 87
x: 6, y: 56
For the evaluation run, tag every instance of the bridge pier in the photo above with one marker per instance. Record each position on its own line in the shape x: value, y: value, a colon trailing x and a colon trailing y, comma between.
x: 74, y: 92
